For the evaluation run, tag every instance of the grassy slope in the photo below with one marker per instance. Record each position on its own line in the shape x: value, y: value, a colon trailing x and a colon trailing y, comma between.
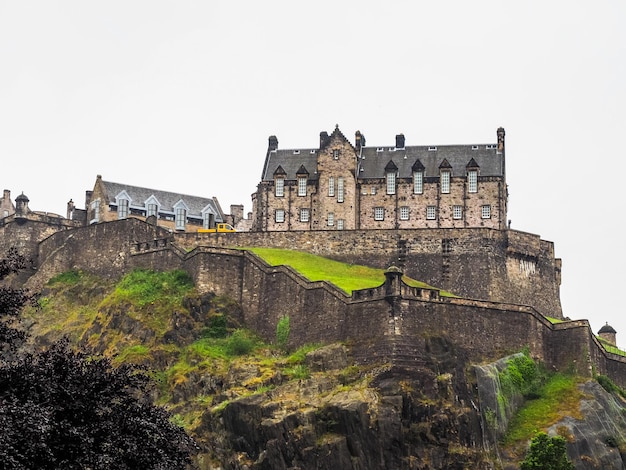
x: 347, y: 277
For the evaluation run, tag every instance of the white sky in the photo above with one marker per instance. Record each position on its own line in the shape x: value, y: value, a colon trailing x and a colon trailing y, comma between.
x: 183, y: 95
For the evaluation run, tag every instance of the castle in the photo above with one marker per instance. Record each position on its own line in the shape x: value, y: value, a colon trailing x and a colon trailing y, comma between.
x: 506, y: 282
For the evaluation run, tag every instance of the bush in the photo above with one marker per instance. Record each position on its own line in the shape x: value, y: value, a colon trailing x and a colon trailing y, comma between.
x: 240, y: 343
x: 282, y: 332
x: 546, y: 453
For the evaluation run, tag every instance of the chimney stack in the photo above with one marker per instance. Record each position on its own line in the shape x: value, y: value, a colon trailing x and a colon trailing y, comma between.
x: 400, y: 141
x: 324, y: 139
x: 273, y: 143
x: 500, y: 140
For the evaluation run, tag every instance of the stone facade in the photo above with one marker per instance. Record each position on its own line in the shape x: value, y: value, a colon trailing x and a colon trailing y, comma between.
x: 339, y: 186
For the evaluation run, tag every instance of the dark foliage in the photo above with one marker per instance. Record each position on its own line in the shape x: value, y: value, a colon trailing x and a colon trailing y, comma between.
x: 547, y: 453
x: 62, y: 409
x: 11, y: 300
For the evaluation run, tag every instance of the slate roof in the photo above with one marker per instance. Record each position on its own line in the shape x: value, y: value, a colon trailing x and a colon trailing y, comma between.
x: 138, y: 197
x: 373, y: 160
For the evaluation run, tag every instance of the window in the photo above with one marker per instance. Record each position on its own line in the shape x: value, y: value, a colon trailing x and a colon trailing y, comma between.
x: 280, y: 187
x: 404, y: 213
x: 95, y: 211
x: 279, y: 215
x: 431, y: 212
x: 472, y: 181
x: 331, y: 186
x: 339, y: 224
x: 340, y: 189
x: 152, y: 210
x: 445, y: 182
x: 301, y: 186
x: 331, y: 219
x: 486, y: 212
x: 304, y: 215
x: 336, y: 154
x: 181, y: 216
x: 418, y: 182
x: 122, y: 209
x: 207, y: 220
x: 446, y: 245
x: 373, y: 191
x: 379, y: 213
x: 457, y: 212
x: 391, y: 182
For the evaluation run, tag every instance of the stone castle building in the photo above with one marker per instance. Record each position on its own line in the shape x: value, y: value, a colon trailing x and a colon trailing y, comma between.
x: 340, y: 186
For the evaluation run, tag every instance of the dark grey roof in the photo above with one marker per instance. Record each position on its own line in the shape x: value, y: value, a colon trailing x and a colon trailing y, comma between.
x: 607, y: 329
x: 374, y: 160
x: 291, y: 161
x: 166, y: 200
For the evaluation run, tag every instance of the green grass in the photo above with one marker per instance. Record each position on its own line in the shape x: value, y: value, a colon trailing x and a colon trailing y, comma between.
x: 347, y: 277
x: 559, y: 397
x: 610, y: 347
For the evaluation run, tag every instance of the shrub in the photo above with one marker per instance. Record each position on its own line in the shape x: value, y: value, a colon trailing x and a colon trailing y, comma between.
x: 240, y: 343
x: 282, y: 332
x: 546, y: 453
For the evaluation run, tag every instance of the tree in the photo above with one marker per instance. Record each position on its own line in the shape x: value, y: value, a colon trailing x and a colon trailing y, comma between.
x: 11, y: 301
x: 547, y: 453
x: 73, y: 410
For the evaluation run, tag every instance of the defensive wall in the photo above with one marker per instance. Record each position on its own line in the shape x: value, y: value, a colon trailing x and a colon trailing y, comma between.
x: 391, y: 323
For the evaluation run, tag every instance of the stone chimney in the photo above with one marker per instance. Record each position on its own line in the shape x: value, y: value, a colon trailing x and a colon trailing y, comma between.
x: 500, y: 140
x: 70, y: 209
x: 400, y: 141
x: 359, y: 140
x: 324, y: 139
x: 273, y: 143
x: 236, y: 213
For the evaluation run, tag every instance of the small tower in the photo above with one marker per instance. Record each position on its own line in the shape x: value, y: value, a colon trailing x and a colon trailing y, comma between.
x: 607, y: 333
x: 21, y: 206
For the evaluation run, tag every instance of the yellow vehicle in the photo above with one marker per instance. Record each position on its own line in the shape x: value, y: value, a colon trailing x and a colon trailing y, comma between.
x: 222, y: 228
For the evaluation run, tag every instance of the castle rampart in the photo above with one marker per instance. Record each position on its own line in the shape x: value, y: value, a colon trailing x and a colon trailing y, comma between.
x: 393, y: 322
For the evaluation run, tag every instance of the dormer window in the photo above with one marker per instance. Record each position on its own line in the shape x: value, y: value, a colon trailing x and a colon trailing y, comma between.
x: 472, y: 181
x: 279, y: 186
x: 122, y: 209
x: 181, y: 218
x: 390, y: 173
x: 418, y: 182
x: 302, y: 185
x: 445, y: 182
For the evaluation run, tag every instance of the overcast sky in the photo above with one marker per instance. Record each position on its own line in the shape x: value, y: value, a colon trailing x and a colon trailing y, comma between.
x: 183, y: 95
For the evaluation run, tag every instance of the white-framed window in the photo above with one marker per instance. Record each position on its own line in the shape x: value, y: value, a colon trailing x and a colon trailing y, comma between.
x: 336, y: 154
x: 457, y: 212
x: 404, y: 213
x: 472, y: 181
x: 95, y: 211
x: 304, y: 215
x: 418, y: 182
x: 302, y: 186
x: 431, y: 212
x: 340, y: 224
x: 279, y: 185
x: 331, y: 186
x: 279, y: 215
x: 122, y: 208
x: 331, y: 219
x: 207, y: 219
x: 445, y: 182
x: 180, y: 218
x: 391, y: 182
x: 340, y: 189
x: 151, y: 209
x: 373, y: 191
x: 486, y: 211
x: 379, y: 213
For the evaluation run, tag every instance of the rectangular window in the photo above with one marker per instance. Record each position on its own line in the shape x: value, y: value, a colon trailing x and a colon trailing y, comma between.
x: 446, y: 245
x: 486, y: 212
x: 457, y: 212
x: 336, y: 154
x: 472, y: 181
x: 445, y: 182
x: 301, y: 186
x: 418, y: 182
x: 151, y: 210
x: 207, y: 220
x: 331, y: 219
x: 404, y: 213
x: 331, y: 186
x: 181, y: 216
x: 339, y: 224
x: 373, y: 191
x: 340, y: 189
x: 95, y: 211
x: 279, y: 216
x: 379, y: 213
x: 280, y: 187
x: 304, y: 215
x: 391, y: 183
x: 431, y: 212
x: 122, y: 209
